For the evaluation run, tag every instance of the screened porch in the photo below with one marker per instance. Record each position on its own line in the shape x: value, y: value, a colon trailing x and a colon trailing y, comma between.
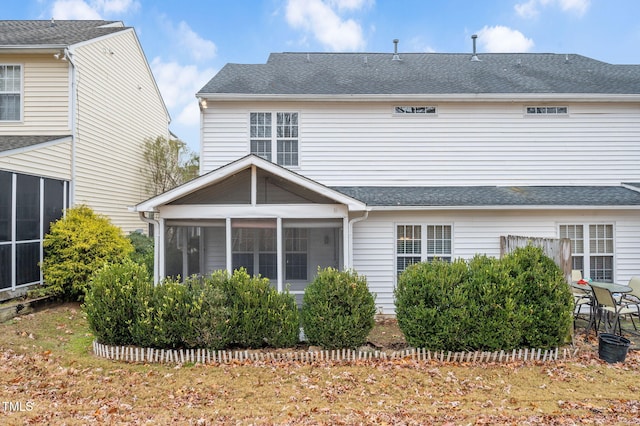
x: 287, y: 251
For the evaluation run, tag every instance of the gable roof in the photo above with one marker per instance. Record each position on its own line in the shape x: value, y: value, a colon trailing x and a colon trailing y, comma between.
x: 494, y: 196
x: 425, y: 74
x: 51, y: 33
x: 233, y: 168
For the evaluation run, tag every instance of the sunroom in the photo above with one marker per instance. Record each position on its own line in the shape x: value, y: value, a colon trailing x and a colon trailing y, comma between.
x: 256, y: 215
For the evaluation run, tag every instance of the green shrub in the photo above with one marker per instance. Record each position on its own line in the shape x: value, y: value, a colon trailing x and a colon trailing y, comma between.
x: 259, y: 316
x: 544, y: 296
x: 485, y: 304
x: 124, y: 308
x: 430, y: 308
x: 181, y: 315
x: 338, y: 310
x: 77, y: 246
x: 142, y: 249
x: 495, y: 317
x: 113, y: 299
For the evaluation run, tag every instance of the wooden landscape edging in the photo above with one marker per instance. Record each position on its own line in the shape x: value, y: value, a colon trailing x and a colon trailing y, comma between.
x: 204, y: 356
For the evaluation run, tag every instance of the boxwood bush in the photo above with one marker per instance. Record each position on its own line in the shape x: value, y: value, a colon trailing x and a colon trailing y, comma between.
x: 338, y: 310
x: 259, y: 315
x: 113, y: 301
x: 521, y: 300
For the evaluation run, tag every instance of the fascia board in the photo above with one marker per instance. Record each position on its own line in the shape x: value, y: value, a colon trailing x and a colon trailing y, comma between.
x: 455, y: 97
x: 239, y: 165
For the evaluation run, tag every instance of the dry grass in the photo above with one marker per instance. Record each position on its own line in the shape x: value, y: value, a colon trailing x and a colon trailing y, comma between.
x: 47, y: 369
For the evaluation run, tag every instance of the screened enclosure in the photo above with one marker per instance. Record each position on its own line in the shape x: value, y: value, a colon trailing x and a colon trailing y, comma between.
x: 287, y: 250
x: 28, y: 206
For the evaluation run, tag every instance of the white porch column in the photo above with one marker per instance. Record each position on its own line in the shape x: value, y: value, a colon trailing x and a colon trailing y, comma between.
x: 228, y: 245
x: 161, y: 250
x: 346, y: 238
x: 279, y: 255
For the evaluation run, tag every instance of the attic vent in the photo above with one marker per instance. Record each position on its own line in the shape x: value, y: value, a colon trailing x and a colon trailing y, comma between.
x: 396, y: 57
x: 475, y: 56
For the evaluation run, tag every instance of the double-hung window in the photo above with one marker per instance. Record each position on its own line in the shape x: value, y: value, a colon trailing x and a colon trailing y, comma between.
x: 418, y: 243
x: 592, y: 249
x: 275, y: 135
x: 10, y: 92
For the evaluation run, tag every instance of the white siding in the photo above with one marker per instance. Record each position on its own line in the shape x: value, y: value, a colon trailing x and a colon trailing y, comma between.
x: 118, y: 107
x: 464, y: 144
x: 479, y: 232
x: 51, y: 161
x: 45, y: 96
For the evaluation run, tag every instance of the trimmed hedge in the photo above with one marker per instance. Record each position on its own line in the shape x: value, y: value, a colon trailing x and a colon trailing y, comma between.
x: 521, y: 300
x: 338, y: 310
x: 259, y: 315
x: 124, y: 308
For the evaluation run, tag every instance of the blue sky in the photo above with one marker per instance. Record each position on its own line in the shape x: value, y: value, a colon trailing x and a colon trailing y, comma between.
x: 187, y: 42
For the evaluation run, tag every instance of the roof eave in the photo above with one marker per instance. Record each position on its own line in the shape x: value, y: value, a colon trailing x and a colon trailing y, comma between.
x: 501, y: 207
x: 34, y: 48
x: 452, y: 97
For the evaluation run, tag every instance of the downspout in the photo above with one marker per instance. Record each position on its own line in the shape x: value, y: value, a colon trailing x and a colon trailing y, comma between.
x: 351, y: 222
x: 74, y: 95
x: 156, y: 244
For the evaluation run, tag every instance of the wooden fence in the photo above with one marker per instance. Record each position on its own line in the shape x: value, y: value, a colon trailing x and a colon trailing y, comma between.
x: 203, y: 356
x: 558, y: 249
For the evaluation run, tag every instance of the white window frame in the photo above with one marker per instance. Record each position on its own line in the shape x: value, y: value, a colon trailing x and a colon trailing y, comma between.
x: 20, y: 92
x: 587, y: 253
x: 424, y: 254
x: 277, y: 152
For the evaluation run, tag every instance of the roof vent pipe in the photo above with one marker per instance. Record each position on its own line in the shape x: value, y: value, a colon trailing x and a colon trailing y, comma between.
x: 475, y: 56
x: 396, y: 57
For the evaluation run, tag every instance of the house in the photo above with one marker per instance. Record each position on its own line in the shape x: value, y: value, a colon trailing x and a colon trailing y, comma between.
x: 77, y: 99
x: 374, y: 161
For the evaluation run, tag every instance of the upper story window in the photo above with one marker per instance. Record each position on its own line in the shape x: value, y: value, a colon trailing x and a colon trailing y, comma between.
x: 277, y: 138
x: 10, y: 87
x: 401, y: 110
x: 547, y: 110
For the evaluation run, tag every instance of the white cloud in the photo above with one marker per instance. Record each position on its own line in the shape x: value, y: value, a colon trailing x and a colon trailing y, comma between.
x: 531, y: 8
x: 503, y: 39
x: 73, y: 9
x: 320, y: 19
x: 178, y: 85
x: 350, y: 4
x: 199, y: 48
x: 92, y: 9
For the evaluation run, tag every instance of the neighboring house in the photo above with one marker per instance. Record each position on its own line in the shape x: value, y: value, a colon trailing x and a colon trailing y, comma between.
x: 77, y: 99
x: 375, y: 161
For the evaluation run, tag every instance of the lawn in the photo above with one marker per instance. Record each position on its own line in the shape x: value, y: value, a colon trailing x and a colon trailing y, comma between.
x: 49, y: 376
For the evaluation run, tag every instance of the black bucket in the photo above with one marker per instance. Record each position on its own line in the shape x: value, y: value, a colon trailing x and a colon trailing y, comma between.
x: 613, y: 348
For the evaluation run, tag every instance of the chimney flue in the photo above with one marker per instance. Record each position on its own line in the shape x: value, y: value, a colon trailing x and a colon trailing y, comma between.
x: 396, y: 57
x: 475, y: 55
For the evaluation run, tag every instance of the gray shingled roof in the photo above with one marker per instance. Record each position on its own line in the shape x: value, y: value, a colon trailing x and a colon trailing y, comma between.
x: 588, y: 196
x: 424, y: 73
x: 9, y: 142
x: 45, y: 33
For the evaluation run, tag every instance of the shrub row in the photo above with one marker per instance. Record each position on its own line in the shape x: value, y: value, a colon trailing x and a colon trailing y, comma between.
x: 219, y: 311
x: 521, y: 300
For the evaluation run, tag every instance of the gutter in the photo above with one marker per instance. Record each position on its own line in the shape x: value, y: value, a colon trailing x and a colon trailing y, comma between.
x: 68, y: 55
